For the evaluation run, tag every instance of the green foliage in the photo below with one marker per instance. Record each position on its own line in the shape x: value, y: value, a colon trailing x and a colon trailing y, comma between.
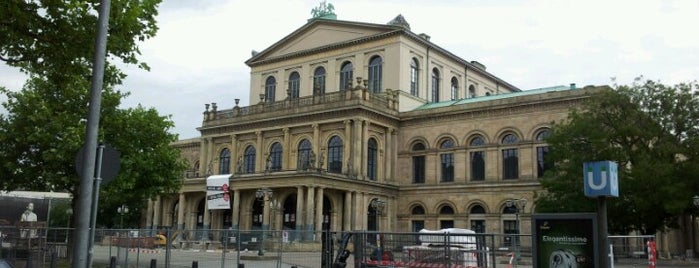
x: 53, y: 42
x: 651, y: 131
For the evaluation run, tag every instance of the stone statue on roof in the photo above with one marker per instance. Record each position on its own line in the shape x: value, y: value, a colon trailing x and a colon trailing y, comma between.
x: 324, y: 10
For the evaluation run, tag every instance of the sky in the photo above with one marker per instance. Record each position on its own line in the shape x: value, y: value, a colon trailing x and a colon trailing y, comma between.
x: 199, y: 53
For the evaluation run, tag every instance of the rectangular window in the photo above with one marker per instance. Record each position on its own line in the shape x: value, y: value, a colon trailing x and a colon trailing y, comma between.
x: 510, y: 161
x: 419, y: 169
x: 478, y: 166
x: 511, y: 232
x: 541, y: 165
x: 443, y: 224
x: 447, y: 167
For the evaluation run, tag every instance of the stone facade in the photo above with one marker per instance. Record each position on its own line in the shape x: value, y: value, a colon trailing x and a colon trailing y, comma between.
x: 414, y: 137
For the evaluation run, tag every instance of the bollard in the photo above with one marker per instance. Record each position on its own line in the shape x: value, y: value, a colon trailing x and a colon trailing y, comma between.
x: 195, y: 264
x: 112, y: 262
x: 153, y: 263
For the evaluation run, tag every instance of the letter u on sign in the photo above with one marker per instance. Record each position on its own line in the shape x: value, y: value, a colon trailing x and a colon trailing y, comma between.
x: 600, y: 179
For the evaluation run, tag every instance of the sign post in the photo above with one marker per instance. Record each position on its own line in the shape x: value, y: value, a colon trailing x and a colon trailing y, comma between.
x: 601, y: 180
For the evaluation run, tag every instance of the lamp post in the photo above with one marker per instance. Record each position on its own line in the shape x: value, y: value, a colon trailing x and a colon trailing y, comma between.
x: 122, y: 210
x: 695, y: 201
x: 519, y: 204
x: 263, y: 194
x: 378, y: 205
x: 69, y: 212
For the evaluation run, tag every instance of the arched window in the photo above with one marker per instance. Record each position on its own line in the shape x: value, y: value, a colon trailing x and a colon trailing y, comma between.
x: 346, y: 75
x: 510, y: 159
x: 446, y: 211
x: 541, y: 152
x: 447, y: 160
x: 477, y: 215
x: 270, y: 88
x: 471, y: 91
x: 275, y: 157
x: 414, y: 77
x: 335, y: 155
x: 319, y: 81
x: 454, y: 88
x: 375, y: 74
x: 224, y: 162
x: 294, y: 85
x: 435, y: 85
x: 305, y: 152
x: 418, y: 210
x: 249, y: 160
x: 477, y: 158
x: 372, y: 159
x: 418, y: 163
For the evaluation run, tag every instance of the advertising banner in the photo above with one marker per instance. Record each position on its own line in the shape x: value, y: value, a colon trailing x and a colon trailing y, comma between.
x: 217, y: 192
x: 564, y: 240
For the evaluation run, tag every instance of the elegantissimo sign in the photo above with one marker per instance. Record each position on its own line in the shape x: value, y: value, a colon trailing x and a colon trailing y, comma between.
x: 564, y: 240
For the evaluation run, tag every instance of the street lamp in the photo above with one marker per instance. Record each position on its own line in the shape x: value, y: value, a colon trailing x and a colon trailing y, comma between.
x: 519, y: 204
x: 263, y: 194
x: 378, y: 205
x: 122, y: 210
x: 69, y: 212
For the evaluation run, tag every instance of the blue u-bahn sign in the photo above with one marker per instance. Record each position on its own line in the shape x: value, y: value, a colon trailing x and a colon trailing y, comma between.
x: 601, y: 179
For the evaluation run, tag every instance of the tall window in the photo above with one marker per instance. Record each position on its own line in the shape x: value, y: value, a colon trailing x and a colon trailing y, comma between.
x: 447, y: 160
x: 446, y: 211
x: 372, y: 159
x: 418, y: 163
x: 270, y: 88
x: 249, y: 160
x: 454, y: 88
x: 435, y: 85
x: 275, y: 157
x: 375, y: 74
x: 510, y: 227
x: 510, y: 160
x: 414, y: 77
x: 471, y: 91
x: 541, y: 152
x: 304, y: 155
x: 224, y: 162
x: 478, y: 222
x: 319, y: 81
x: 294, y: 85
x: 346, y: 75
x: 335, y: 155
x: 477, y: 159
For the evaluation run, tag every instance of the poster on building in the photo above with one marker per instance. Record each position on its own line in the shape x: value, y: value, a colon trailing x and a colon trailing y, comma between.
x: 564, y: 240
x: 217, y: 192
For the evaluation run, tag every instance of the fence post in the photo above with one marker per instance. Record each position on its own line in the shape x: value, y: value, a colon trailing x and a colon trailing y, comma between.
x: 112, y: 262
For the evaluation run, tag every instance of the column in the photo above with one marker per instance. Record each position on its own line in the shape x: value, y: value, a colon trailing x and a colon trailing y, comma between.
x: 156, y: 213
x: 299, y: 213
x: 260, y: 157
x: 319, y: 213
x: 234, y: 154
x: 210, y: 156
x: 286, y: 163
x: 310, y: 201
x: 347, y: 148
x: 357, y: 154
x: 202, y: 158
x: 207, y: 222
x: 347, y: 212
x: 149, y: 215
x: 180, y: 212
x: 364, y: 141
x: 266, y: 204
x: 388, y: 155
x: 235, y: 213
x: 359, y: 212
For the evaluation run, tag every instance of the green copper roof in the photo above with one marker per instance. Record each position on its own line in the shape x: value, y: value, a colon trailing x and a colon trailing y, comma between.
x: 492, y: 97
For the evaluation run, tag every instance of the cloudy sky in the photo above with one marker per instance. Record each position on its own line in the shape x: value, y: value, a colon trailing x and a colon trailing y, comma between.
x: 198, y: 56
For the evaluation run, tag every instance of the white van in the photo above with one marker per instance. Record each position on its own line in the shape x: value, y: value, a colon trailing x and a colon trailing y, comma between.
x: 455, y: 246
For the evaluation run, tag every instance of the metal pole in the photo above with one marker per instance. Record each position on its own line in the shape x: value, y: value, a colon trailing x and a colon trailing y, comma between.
x: 92, y: 128
x: 602, y: 228
x: 516, y: 238
x: 95, y: 201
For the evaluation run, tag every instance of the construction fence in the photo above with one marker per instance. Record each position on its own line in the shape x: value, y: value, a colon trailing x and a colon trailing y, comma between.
x: 286, y: 248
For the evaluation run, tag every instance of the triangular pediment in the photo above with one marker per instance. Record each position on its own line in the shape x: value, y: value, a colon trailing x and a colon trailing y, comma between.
x: 321, y: 33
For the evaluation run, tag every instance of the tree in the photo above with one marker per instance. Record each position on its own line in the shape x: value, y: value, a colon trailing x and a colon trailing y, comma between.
x: 652, y: 131
x: 53, y: 42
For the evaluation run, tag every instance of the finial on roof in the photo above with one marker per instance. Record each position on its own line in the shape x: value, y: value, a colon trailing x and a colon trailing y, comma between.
x: 323, y: 11
x: 400, y: 21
